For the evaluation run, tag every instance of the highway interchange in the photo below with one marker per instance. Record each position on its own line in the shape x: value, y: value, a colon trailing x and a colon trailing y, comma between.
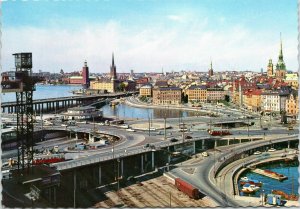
x: 133, y: 142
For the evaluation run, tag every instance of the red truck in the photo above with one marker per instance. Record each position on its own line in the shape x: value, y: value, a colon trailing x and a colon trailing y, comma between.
x: 186, y: 188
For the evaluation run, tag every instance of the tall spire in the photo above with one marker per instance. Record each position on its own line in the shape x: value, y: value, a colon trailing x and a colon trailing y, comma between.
x: 113, y: 61
x: 280, y: 53
x: 210, y: 64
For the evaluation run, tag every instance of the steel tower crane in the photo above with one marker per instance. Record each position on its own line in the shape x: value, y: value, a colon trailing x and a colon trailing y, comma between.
x: 23, y: 84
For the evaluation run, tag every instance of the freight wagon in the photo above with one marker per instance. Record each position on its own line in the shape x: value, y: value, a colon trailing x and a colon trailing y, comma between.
x: 187, y: 188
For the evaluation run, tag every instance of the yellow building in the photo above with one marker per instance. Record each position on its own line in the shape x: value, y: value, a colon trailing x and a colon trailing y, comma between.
x: 292, y: 106
x: 104, y: 84
x: 197, y: 94
x: 292, y: 80
x: 252, y: 100
x: 146, y: 91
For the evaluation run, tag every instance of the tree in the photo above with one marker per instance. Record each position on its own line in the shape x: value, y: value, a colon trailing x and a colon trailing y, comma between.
x: 227, y: 98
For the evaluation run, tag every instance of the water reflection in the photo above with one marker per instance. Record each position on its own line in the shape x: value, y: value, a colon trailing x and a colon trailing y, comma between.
x: 123, y: 110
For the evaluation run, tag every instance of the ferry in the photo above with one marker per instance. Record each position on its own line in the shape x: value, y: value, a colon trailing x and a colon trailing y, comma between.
x: 47, y: 159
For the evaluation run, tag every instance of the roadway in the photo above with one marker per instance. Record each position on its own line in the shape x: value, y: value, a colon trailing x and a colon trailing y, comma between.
x: 203, y: 177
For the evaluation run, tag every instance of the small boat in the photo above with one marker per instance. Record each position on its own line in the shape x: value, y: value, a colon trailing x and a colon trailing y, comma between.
x: 250, y: 187
x: 250, y: 181
x: 245, y: 178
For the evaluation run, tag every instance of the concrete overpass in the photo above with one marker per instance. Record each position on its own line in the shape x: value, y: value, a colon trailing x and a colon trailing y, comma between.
x: 52, y: 104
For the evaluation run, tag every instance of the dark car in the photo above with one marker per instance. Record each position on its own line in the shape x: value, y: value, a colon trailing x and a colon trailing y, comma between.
x: 173, y: 140
x: 146, y: 146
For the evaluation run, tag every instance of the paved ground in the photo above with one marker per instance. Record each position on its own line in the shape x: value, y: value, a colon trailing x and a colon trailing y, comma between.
x: 156, y: 192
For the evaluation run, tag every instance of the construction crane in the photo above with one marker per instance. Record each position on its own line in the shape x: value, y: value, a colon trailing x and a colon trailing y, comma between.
x: 22, y: 83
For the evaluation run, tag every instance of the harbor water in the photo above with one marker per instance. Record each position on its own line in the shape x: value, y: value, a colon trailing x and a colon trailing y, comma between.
x: 289, y: 186
x: 45, y: 91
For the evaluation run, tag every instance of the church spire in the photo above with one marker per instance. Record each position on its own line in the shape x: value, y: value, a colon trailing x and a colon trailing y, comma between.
x: 113, y: 60
x: 280, y: 52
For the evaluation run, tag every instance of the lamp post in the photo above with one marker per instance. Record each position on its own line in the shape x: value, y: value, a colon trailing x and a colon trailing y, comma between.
x: 118, y: 160
x: 262, y: 197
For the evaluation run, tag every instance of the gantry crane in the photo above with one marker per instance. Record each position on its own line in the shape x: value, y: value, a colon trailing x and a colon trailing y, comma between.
x: 23, y: 84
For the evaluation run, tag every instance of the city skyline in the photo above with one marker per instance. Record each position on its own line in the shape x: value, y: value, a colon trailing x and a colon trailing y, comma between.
x: 148, y: 36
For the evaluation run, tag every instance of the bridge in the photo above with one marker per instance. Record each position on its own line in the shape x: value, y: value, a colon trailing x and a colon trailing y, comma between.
x: 52, y: 104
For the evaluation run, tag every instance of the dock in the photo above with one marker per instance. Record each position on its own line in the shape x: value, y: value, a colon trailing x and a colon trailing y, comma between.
x: 269, y: 174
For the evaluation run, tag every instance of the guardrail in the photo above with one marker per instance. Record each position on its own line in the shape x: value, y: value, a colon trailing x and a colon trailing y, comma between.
x: 95, y: 158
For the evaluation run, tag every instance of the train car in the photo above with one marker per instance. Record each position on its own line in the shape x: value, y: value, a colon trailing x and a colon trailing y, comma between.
x: 187, y: 188
x: 47, y: 159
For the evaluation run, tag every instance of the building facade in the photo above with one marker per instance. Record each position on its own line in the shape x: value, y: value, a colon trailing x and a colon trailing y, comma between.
x: 197, y: 94
x: 215, y: 94
x: 146, y: 90
x: 292, y: 105
x: 167, y: 96
x: 270, y: 101
x: 107, y: 84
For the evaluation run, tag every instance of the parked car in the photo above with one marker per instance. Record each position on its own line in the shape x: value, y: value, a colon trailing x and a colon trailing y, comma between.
x: 204, y: 154
x: 146, y: 146
x: 283, y: 155
x: 257, y: 153
x: 272, y: 150
x: 173, y: 140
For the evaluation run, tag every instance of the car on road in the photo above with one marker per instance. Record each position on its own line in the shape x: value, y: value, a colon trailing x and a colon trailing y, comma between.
x: 130, y: 130
x: 204, y: 154
x: 257, y: 153
x: 173, y: 140
x: 290, y: 128
x: 146, y: 146
x: 265, y: 128
x: 283, y: 155
x: 272, y: 150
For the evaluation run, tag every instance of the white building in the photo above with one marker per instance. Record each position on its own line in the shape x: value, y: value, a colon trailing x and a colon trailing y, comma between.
x: 82, y: 113
x: 270, y: 101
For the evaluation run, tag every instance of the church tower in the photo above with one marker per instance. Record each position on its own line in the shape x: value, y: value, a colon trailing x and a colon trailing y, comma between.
x: 113, y: 72
x: 85, y: 76
x: 270, y: 68
x: 280, y: 67
x: 210, y: 71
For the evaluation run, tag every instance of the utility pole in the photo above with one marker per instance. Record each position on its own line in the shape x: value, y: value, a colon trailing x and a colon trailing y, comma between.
x: 118, y: 173
x: 248, y: 126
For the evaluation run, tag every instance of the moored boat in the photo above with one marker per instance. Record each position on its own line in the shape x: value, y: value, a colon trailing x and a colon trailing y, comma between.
x: 250, y: 187
x: 250, y: 181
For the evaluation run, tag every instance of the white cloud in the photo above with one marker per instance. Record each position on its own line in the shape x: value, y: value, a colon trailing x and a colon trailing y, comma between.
x: 150, y: 49
x: 176, y: 18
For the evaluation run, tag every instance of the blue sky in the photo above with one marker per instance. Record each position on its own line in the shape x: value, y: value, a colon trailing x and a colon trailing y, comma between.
x: 150, y: 35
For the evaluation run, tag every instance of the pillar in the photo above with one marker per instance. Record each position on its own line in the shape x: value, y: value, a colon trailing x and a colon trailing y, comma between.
x: 215, y: 143
x: 76, y: 136
x: 142, y: 163
x: 203, y: 143
x: 54, y: 195
x: 100, y: 177
x: 228, y: 141
x: 152, y: 160
x: 194, y: 151
x: 122, y: 167
x: 289, y: 144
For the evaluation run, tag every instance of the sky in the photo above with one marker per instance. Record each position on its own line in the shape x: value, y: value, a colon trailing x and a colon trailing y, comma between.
x: 150, y: 35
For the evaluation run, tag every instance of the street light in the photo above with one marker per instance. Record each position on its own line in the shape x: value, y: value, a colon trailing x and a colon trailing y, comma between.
x: 118, y: 160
